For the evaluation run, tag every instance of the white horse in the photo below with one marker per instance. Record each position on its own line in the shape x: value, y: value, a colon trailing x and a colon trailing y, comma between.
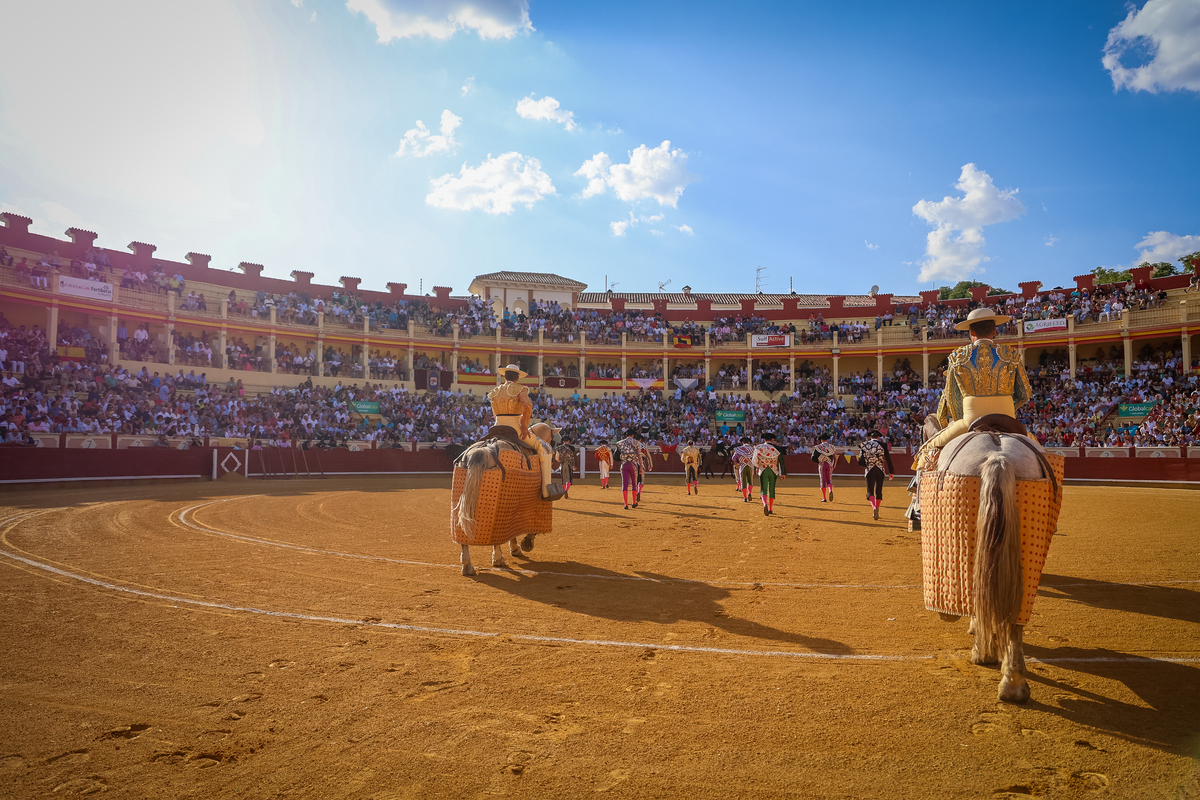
x: 477, y: 458
x: 1000, y: 460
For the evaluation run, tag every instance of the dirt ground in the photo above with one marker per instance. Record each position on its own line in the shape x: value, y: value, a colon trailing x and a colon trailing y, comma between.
x: 315, y: 639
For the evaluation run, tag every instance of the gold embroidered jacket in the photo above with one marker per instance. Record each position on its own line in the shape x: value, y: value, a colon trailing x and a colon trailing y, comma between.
x: 512, y: 398
x: 982, y: 369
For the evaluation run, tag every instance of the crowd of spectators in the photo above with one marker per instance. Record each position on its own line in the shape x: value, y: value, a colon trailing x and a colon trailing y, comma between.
x: 76, y: 388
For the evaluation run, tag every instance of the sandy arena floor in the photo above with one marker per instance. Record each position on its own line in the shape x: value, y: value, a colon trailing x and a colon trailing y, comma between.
x: 315, y: 639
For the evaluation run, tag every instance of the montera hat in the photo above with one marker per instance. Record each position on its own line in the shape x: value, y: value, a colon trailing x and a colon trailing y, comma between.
x: 981, y: 315
x: 514, y: 368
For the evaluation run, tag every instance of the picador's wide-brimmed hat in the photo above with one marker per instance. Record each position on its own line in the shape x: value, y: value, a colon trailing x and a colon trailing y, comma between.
x: 514, y: 368
x: 981, y: 315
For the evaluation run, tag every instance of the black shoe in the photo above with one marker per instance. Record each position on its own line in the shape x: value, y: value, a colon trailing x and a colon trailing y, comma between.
x: 766, y: 513
x: 635, y: 505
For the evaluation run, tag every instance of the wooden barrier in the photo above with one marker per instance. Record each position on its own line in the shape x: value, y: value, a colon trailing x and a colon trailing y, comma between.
x: 26, y: 464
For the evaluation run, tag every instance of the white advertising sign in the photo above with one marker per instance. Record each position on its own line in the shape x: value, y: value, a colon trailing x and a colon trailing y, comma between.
x: 1038, y: 325
x: 90, y: 290
x: 771, y: 340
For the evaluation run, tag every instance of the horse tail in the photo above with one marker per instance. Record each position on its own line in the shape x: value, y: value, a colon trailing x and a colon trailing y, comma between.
x: 475, y: 461
x: 997, y: 548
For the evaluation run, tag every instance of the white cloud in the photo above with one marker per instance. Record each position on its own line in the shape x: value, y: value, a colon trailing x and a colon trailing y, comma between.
x: 548, y: 109
x: 658, y: 173
x: 1050, y: 240
x: 656, y: 232
x: 870, y: 246
x: 619, y: 227
x: 495, y: 186
x: 954, y: 249
x: 298, y: 3
x: 313, y: 17
x: 685, y: 229
x: 468, y: 86
x: 441, y: 19
x: 594, y: 170
x: 420, y: 142
x: 654, y: 218
x: 1164, y: 246
x: 189, y: 136
x: 1167, y: 30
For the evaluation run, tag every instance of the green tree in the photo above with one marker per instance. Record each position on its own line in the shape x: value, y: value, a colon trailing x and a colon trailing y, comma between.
x: 1191, y: 261
x: 1106, y: 275
x: 1163, y: 269
x: 997, y: 292
x: 961, y: 290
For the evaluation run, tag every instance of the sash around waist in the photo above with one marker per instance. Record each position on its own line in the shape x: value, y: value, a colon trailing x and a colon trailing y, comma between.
x: 975, y: 407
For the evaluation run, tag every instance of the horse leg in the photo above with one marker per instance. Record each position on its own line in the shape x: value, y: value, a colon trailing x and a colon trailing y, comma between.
x: 984, y: 649
x: 498, y: 557
x: 514, y: 549
x: 1013, y: 686
x: 467, y: 567
x: 527, y: 542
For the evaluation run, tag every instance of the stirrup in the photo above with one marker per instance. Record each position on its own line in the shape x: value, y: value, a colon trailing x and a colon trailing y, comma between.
x: 553, y: 492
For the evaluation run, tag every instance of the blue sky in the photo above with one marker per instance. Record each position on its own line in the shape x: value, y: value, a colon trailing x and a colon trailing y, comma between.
x: 907, y: 146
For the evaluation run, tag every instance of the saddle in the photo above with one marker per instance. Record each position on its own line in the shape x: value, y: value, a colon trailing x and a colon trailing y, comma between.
x: 505, y: 433
x: 998, y: 423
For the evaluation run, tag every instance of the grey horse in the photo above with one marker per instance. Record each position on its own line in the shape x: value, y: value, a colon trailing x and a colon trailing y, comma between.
x: 1000, y: 460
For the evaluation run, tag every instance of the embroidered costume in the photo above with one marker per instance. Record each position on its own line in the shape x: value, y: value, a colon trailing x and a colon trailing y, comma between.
x: 604, y: 458
x: 690, y: 456
x: 513, y: 409
x: 825, y: 456
x: 743, y: 457
x: 874, y: 457
x: 981, y: 378
x: 767, y: 462
x: 627, y: 451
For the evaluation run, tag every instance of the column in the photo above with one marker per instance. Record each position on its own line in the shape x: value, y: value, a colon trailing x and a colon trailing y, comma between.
x: 1186, y: 340
x: 170, y: 330
x: 624, y: 367
x: 454, y: 365
x: 222, y: 358
x: 666, y: 372
x: 114, y: 345
x: 582, y: 372
x: 412, y: 360
x: 835, y: 374
x: 541, y: 369
x: 271, y: 352
x: 879, y: 371
x: 1071, y: 356
x: 52, y: 325
x: 749, y: 372
x: 791, y: 384
x: 320, y: 351
x: 1128, y: 350
x: 925, y: 368
x: 707, y: 368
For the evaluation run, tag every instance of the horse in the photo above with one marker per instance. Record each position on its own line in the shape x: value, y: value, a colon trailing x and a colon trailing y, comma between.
x: 476, y: 458
x: 716, y: 458
x: 1000, y: 460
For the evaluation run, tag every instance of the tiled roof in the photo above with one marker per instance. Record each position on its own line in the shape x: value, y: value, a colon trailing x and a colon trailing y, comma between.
x: 545, y: 278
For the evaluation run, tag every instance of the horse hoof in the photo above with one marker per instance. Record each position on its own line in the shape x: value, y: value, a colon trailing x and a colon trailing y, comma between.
x: 977, y: 658
x: 527, y: 543
x: 1014, y: 691
x: 499, y: 563
x: 948, y: 617
x: 468, y: 570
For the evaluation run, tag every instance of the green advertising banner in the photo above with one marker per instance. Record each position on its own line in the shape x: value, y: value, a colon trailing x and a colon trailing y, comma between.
x: 731, y: 416
x: 1134, y: 409
x: 362, y: 407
